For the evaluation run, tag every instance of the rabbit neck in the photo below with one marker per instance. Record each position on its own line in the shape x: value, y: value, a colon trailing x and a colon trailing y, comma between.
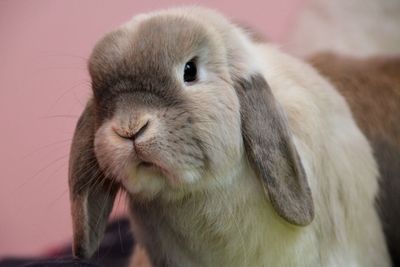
x: 232, y: 225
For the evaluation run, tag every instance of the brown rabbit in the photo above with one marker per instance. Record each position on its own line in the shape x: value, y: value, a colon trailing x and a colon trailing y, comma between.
x: 231, y: 152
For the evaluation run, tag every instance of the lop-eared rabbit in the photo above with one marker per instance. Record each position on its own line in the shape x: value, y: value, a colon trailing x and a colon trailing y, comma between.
x: 231, y: 152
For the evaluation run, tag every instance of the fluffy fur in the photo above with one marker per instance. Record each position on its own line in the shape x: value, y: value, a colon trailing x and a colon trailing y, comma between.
x: 216, y: 213
x: 372, y: 90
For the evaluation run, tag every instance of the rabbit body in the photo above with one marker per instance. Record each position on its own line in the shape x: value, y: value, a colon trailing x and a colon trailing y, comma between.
x: 295, y: 190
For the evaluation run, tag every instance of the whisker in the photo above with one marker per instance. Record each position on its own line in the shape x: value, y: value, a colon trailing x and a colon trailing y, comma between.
x: 60, y: 116
x: 44, y: 147
x: 64, y: 192
x: 119, y: 225
x: 108, y: 194
x: 93, y: 179
x: 41, y: 171
x: 63, y: 165
x: 85, y: 82
x: 65, y: 55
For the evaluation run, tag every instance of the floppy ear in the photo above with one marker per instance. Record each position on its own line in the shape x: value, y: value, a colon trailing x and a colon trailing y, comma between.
x: 271, y: 152
x: 91, y: 193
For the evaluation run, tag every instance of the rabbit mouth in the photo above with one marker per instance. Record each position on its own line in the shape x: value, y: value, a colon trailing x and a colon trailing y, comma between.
x: 156, y: 166
x: 146, y: 164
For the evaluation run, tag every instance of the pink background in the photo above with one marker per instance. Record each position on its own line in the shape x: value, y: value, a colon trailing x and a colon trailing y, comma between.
x: 43, y: 87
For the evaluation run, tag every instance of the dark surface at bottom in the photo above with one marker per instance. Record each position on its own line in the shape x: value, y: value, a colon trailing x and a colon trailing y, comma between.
x: 114, y: 251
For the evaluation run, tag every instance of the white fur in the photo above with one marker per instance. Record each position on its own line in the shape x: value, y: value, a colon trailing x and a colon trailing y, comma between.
x: 232, y: 224
x: 339, y: 163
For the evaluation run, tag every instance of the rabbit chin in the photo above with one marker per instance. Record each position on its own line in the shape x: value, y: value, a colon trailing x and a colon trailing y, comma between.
x: 147, y: 182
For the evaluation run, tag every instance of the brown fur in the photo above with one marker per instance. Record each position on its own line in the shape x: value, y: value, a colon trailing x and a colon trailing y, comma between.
x: 372, y: 90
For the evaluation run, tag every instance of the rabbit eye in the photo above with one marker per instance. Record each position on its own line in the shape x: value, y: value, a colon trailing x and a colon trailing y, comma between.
x: 190, y: 72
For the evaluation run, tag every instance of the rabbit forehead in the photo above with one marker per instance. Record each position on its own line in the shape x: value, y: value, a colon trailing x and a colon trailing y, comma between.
x: 153, y: 45
x: 169, y: 37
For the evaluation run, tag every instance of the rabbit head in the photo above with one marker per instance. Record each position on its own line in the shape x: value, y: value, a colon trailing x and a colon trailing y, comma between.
x: 177, y: 105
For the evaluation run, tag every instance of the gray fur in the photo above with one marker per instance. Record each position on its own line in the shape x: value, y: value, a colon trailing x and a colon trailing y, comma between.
x: 92, y: 194
x: 271, y: 152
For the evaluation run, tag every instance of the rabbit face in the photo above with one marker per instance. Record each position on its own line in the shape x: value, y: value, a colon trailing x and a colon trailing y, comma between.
x: 167, y: 115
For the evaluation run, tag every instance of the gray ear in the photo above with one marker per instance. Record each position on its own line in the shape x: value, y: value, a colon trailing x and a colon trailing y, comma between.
x: 92, y: 194
x: 271, y: 152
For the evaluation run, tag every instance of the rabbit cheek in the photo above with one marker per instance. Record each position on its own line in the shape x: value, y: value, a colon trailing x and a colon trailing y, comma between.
x: 117, y: 158
x: 114, y: 154
x: 164, y: 156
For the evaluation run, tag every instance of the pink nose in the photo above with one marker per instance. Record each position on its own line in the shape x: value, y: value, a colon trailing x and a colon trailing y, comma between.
x: 132, y: 134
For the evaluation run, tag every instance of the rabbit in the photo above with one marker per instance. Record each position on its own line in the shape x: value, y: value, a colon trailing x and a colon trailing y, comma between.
x: 231, y: 152
x: 371, y: 87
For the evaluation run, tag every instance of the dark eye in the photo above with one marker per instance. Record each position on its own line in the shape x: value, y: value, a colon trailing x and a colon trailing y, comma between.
x: 190, y: 72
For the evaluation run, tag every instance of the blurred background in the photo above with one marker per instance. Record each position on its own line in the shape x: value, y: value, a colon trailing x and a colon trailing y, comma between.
x: 44, y: 84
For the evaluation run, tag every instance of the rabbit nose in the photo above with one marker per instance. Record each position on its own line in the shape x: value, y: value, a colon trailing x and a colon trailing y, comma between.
x: 140, y: 131
x: 132, y: 134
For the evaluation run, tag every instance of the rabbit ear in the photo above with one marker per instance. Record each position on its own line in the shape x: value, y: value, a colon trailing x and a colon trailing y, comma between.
x: 271, y: 152
x: 92, y: 194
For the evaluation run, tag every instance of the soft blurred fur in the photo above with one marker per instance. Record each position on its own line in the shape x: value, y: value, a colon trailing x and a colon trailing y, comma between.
x: 356, y: 46
x: 372, y: 90
x: 358, y: 28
